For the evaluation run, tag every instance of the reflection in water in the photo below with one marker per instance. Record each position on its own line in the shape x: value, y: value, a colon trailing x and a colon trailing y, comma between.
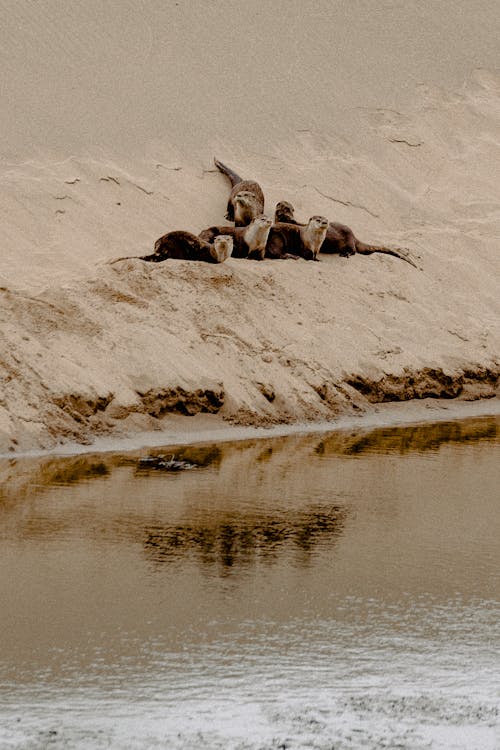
x: 237, y: 540
x: 324, y: 591
x: 186, y: 458
x: 29, y: 476
x: 420, y: 437
x: 75, y: 471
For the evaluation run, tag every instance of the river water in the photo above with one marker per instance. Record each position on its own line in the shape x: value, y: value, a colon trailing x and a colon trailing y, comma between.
x: 327, y: 591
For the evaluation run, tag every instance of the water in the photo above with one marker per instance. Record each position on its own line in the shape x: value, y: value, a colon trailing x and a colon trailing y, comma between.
x: 333, y: 591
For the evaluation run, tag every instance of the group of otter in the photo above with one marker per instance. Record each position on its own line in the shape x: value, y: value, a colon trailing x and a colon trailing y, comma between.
x: 255, y: 236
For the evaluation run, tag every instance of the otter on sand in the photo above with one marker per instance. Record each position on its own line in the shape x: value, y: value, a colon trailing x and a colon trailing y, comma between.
x: 296, y: 240
x: 246, y: 199
x: 248, y: 242
x: 340, y: 238
x: 186, y: 246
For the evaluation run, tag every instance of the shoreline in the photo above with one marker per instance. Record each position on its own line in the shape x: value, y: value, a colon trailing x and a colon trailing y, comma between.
x: 205, y: 428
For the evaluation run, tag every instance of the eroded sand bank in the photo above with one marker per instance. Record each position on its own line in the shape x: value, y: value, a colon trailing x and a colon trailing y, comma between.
x: 92, y: 349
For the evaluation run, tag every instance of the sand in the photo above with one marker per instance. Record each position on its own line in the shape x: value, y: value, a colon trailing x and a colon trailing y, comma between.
x: 388, y: 121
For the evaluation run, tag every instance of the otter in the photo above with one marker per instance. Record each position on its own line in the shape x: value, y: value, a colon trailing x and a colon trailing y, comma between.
x: 186, y: 246
x: 340, y: 239
x: 246, y: 199
x: 297, y: 241
x: 248, y: 242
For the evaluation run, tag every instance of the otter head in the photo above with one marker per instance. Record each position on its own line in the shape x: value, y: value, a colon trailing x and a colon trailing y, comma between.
x: 245, y: 197
x: 246, y: 207
x: 284, y: 211
x: 314, y: 234
x: 222, y: 248
x: 318, y: 223
x: 256, y: 236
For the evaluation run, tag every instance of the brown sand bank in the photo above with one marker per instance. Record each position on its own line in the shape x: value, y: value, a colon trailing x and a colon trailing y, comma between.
x: 90, y: 349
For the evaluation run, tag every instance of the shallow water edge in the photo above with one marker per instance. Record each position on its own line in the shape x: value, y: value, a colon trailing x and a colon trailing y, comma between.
x: 202, y: 428
x: 307, y: 591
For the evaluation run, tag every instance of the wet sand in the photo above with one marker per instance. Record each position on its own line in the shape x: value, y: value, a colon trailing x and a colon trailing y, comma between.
x: 206, y: 428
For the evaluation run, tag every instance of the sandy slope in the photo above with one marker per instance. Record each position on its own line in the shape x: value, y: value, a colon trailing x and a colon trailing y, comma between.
x: 88, y: 347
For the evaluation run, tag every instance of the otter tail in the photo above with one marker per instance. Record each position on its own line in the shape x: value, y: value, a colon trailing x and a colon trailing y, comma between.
x: 158, y: 255
x: 234, y: 178
x: 363, y: 249
x: 154, y: 257
x: 124, y: 257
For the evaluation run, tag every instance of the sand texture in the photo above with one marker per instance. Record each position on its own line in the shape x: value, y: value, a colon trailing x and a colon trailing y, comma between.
x: 406, y: 154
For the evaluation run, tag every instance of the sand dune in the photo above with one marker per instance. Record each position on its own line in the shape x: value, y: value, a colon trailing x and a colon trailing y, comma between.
x: 109, y: 143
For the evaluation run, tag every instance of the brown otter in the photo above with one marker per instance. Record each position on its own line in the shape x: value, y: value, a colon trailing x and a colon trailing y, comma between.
x: 246, y: 199
x: 296, y: 240
x: 186, y: 246
x: 340, y: 239
x: 248, y: 242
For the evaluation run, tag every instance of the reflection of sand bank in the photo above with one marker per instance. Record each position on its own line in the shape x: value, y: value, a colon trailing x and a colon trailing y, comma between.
x: 32, y: 477
x: 246, y: 503
x: 424, y: 437
x: 112, y: 498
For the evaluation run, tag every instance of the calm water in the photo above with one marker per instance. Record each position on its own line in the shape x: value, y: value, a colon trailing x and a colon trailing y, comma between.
x: 333, y: 591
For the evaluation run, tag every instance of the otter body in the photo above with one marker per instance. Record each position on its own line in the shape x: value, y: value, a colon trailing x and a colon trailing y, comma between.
x: 339, y: 239
x: 186, y: 246
x: 246, y: 199
x: 288, y: 240
x: 248, y: 242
